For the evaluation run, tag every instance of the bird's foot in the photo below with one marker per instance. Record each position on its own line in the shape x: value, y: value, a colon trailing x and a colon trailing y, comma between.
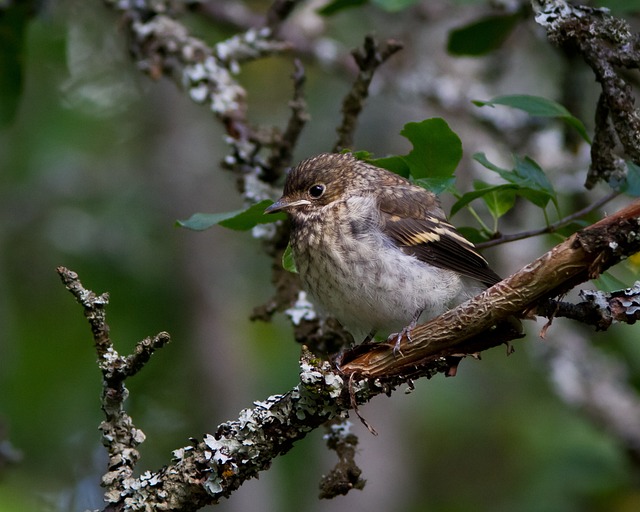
x: 406, y: 331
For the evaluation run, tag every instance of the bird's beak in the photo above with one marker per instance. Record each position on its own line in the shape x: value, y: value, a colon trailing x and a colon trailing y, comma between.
x: 278, y: 206
x: 283, y: 205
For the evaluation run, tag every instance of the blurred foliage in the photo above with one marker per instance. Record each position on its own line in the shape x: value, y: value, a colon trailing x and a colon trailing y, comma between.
x: 97, y: 163
x: 484, y: 35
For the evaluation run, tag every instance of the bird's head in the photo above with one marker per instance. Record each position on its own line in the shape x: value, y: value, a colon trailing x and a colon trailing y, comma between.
x: 321, y: 180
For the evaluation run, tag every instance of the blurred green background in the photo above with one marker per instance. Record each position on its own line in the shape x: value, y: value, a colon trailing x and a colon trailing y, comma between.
x: 97, y: 164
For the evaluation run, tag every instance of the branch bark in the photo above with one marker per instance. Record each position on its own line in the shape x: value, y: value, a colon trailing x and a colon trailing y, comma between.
x: 215, y: 466
x: 582, y: 256
x: 606, y: 44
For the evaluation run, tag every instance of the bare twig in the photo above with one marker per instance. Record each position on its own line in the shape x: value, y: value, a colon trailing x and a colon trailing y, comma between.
x: 283, y: 151
x: 369, y: 58
x: 551, y: 228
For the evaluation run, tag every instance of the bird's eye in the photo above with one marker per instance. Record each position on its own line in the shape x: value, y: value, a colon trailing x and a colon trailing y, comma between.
x: 316, y: 191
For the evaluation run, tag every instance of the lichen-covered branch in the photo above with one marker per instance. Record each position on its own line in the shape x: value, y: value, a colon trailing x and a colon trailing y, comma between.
x: 218, y: 464
x: 598, y: 308
x: 119, y: 434
x: 606, y: 44
x: 317, y: 47
x: 345, y: 476
x: 163, y: 47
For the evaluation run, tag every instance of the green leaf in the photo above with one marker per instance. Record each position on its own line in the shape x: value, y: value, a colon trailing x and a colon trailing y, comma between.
x: 437, y: 185
x: 241, y: 220
x: 499, y: 201
x: 482, y: 36
x: 481, y: 192
x: 531, y: 180
x: 394, y: 5
x: 288, y: 263
x: 437, y: 150
x: 536, y: 187
x: 609, y: 283
x: 339, y: 5
x: 538, y: 106
x: 395, y: 164
x: 529, y: 174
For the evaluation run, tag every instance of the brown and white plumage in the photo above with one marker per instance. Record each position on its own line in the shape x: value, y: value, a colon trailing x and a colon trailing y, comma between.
x: 374, y: 250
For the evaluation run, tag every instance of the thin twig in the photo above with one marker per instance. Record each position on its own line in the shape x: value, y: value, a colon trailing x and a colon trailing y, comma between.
x: 551, y: 228
x: 94, y: 310
x: 369, y: 58
x: 282, y: 152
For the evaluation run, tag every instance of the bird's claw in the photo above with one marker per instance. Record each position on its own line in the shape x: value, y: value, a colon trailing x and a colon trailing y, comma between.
x: 406, y: 331
x: 398, y: 338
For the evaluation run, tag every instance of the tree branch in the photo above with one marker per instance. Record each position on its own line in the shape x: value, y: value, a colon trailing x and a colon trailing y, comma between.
x: 345, y: 476
x: 582, y: 256
x: 606, y: 44
x: 119, y: 434
x: 217, y: 465
x: 551, y: 228
x: 282, y: 153
x: 369, y: 58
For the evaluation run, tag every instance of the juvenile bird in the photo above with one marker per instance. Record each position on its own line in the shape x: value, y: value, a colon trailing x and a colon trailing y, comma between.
x: 373, y: 250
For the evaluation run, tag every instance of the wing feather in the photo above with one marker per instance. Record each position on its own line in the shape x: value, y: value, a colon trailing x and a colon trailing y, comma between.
x: 432, y: 239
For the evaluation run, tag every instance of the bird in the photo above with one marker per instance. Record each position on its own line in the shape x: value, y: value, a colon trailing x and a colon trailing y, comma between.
x: 374, y: 250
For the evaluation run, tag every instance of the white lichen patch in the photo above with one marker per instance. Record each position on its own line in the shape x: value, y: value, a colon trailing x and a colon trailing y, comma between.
x: 550, y: 12
x: 255, y: 189
x: 339, y: 430
x: 302, y: 309
x: 334, y: 383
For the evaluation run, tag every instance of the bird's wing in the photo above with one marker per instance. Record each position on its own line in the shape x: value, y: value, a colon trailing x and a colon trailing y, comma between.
x: 432, y: 239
